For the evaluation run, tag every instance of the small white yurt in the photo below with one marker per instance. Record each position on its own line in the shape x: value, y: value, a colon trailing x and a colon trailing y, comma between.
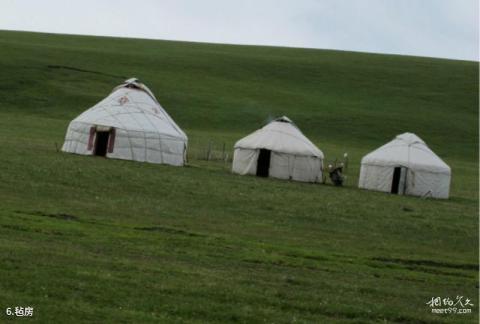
x: 129, y: 124
x: 278, y: 150
x: 405, y: 166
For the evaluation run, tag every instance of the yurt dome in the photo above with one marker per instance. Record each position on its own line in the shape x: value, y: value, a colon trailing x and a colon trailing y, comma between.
x: 406, y: 166
x: 128, y: 124
x: 278, y: 150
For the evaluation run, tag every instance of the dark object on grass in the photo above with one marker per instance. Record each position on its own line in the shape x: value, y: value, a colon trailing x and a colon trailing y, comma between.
x: 336, y: 170
x: 336, y: 175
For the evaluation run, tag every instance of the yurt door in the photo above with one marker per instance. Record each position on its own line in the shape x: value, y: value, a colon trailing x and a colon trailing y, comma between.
x: 104, y: 140
x: 101, y: 143
x: 399, y: 180
x: 263, y: 163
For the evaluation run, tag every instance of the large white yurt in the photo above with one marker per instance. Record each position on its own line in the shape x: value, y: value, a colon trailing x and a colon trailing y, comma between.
x: 129, y: 124
x: 278, y: 150
x: 405, y: 166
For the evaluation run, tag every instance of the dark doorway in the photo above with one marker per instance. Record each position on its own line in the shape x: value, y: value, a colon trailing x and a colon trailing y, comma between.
x: 399, y: 180
x: 263, y: 163
x: 101, y: 143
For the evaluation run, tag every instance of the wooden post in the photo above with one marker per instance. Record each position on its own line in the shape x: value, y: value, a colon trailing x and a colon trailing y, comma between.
x: 209, y: 151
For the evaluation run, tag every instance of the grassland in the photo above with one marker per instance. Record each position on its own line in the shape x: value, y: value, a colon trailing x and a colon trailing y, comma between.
x: 86, y: 239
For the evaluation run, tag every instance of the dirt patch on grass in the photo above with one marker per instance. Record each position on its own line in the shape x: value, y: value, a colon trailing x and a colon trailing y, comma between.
x: 62, y: 216
x: 84, y: 71
x: 168, y: 230
x: 31, y: 230
x: 425, y: 266
x: 428, y: 263
x: 307, y: 256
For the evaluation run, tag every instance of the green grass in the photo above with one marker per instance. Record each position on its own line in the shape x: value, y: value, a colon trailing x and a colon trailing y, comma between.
x: 86, y: 239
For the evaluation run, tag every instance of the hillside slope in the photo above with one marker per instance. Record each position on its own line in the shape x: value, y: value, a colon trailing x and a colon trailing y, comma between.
x: 89, y: 239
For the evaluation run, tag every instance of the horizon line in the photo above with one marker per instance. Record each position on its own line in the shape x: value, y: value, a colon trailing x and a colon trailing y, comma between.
x: 242, y: 44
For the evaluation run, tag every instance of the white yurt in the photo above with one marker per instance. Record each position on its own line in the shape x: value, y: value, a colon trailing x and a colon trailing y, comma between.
x: 278, y: 150
x: 129, y: 124
x: 405, y: 166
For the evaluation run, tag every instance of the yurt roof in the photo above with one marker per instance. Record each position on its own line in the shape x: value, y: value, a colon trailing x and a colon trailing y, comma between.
x: 132, y: 106
x: 280, y: 135
x: 407, y: 150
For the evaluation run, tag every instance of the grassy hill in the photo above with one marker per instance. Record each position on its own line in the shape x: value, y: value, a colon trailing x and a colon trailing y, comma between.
x: 87, y: 239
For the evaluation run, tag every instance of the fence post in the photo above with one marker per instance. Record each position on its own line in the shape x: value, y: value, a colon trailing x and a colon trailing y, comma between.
x: 209, y: 150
